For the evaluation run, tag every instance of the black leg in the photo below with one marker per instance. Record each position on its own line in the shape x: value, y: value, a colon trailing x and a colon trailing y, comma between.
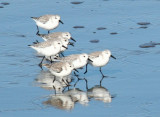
x: 62, y: 54
x: 54, y: 79
x: 40, y: 64
x: 76, y: 82
x: 86, y: 69
x: 101, y: 72
x: 78, y: 79
x: 48, y: 31
x: 86, y: 83
x: 51, y: 59
x: 54, y: 89
x: 75, y: 74
x: 67, y: 84
x: 101, y: 81
x: 37, y: 31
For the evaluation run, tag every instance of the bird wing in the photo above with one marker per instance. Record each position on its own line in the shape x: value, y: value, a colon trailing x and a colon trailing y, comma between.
x: 69, y: 58
x: 94, y: 55
x: 57, y: 67
x: 45, y: 18
x: 42, y: 44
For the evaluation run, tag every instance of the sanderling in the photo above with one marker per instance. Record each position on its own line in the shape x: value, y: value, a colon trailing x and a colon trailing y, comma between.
x: 48, y: 22
x: 60, y: 69
x: 56, y: 34
x: 65, y: 43
x: 99, y: 59
x: 47, y: 48
x: 77, y: 60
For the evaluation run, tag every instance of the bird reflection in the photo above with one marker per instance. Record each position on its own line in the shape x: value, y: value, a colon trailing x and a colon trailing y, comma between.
x: 78, y: 96
x: 99, y: 93
x: 60, y: 101
x: 66, y: 99
x: 48, y: 81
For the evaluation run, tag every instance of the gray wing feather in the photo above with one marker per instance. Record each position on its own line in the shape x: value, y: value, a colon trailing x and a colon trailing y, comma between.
x: 44, y: 18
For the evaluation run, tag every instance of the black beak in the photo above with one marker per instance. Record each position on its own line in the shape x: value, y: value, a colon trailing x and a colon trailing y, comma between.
x: 73, y: 39
x: 61, y: 21
x: 72, y: 44
x: 76, y: 70
x: 64, y: 46
x: 90, y: 60
x: 113, y: 57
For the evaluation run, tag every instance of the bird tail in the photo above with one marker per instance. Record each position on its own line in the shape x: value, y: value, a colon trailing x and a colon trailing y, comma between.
x: 34, y: 18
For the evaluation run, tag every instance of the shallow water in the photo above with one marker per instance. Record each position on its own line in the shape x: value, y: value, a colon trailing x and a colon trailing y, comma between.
x: 132, y: 80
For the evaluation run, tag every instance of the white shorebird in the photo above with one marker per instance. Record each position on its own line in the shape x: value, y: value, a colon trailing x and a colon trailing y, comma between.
x: 57, y: 34
x: 78, y: 60
x: 60, y: 69
x: 47, y: 22
x: 99, y: 59
x: 65, y: 43
x: 47, y: 48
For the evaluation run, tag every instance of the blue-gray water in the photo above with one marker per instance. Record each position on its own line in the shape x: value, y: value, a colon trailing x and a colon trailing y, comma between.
x: 133, y: 78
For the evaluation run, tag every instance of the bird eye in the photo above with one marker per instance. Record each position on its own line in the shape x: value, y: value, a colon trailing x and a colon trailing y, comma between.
x: 70, y: 66
x: 84, y: 56
x: 66, y: 35
x: 65, y: 40
x: 58, y: 43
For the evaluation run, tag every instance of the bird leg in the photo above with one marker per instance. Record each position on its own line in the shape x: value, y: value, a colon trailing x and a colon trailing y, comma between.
x: 40, y: 64
x: 101, y: 72
x: 86, y: 69
x: 75, y: 74
x: 51, y: 59
x: 37, y: 31
x: 101, y: 81
x: 86, y: 83
x: 62, y: 54
x: 54, y: 89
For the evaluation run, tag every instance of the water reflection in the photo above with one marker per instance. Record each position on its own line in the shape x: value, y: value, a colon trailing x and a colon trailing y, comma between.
x: 66, y: 96
x: 99, y: 93
x: 48, y: 81
x: 78, y: 96
x: 60, y: 101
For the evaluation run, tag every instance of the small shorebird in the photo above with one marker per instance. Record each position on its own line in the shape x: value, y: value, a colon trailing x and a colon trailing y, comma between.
x: 47, y: 22
x: 99, y: 59
x: 60, y: 69
x: 47, y: 48
x: 56, y: 34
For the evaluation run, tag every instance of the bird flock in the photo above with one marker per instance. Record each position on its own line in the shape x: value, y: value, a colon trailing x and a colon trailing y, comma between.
x: 56, y: 43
